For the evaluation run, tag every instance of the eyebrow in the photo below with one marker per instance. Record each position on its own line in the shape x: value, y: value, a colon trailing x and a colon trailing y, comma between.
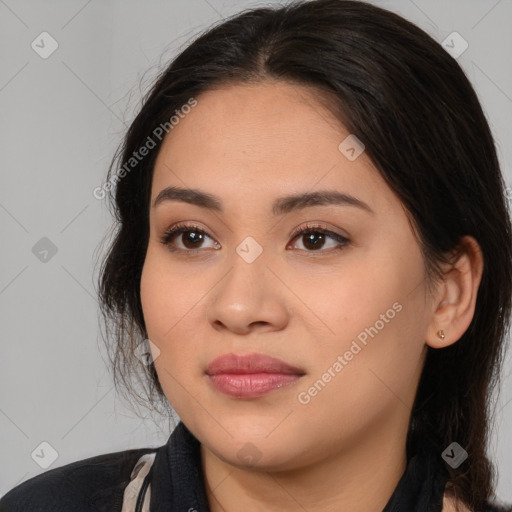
x: 280, y: 206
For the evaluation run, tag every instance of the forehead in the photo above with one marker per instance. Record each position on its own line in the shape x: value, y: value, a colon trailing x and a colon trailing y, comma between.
x: 254, y: 140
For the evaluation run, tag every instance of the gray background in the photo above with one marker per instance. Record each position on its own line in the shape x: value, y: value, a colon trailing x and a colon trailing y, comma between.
x: 61, y: 120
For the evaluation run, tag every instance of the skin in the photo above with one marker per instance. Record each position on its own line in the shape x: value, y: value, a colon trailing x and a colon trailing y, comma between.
x: 345, y: 449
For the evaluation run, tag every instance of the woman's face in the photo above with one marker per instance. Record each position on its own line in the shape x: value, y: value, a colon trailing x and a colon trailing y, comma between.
x: 349, y: 317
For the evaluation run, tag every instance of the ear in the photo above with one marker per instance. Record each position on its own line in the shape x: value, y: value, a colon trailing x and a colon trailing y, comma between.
x: 455, y: 298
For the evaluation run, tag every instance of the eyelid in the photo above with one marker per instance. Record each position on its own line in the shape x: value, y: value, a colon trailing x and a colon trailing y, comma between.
x: 180, y: 227
x: 311, y: 225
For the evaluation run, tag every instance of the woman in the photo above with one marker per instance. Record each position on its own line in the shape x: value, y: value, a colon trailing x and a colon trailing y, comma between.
x: 314, y: 249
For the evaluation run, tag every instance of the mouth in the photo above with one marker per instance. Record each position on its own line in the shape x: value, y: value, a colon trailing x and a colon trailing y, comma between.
x: 251, y: 375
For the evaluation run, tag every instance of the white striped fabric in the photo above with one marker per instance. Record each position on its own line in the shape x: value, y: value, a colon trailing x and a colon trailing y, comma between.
x: 132, y: 490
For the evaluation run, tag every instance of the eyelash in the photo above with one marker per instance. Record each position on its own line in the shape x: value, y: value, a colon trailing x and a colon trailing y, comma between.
x: 309, y: 228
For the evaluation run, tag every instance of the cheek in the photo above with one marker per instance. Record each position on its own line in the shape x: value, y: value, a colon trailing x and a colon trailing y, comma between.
x: 153, y: 300
x: 165, y: 296
x: 376, y: 326
x: 368, y: 370
x: 162, y: 312
x: 170, y: 308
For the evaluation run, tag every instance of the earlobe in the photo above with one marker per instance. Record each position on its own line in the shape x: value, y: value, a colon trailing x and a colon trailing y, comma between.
x: 455, y: 302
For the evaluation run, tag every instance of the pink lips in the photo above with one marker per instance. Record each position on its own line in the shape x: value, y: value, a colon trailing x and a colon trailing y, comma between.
x: 250, y: 376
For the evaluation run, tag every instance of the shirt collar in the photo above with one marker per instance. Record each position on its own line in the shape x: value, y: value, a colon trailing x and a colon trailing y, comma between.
x: 178, y: 482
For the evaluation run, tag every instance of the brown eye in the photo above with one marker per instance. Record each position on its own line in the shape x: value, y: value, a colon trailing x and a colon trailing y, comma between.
x: 314, y: 239
x: 192, y: 238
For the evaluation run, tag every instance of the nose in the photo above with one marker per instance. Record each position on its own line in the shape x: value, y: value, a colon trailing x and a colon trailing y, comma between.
x: 248, y: 298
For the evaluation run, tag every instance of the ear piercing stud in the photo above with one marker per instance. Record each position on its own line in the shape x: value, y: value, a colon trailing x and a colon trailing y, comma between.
x: 441, y: 334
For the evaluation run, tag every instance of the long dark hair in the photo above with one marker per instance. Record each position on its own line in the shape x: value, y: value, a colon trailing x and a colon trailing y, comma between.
x: 412, y: 106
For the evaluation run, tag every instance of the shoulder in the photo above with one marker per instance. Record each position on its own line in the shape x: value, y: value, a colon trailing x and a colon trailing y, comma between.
x: 96, y: 483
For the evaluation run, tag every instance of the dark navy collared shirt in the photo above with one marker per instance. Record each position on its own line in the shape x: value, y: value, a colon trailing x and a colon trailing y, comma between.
x: 177, y: 482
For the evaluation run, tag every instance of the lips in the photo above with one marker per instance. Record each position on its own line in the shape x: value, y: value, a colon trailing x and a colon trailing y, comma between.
x: 250, y: 363
x: 251, y: 375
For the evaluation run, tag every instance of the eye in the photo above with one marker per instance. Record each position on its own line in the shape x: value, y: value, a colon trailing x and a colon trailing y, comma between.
x: 314, y: 237
x: 191, y: 242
